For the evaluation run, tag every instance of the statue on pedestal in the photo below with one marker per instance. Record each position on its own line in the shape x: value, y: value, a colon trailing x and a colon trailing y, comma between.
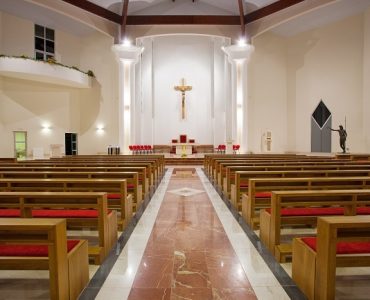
x: 342, y: 137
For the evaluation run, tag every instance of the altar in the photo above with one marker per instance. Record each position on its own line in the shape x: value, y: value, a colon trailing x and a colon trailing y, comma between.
x: 183, y: 148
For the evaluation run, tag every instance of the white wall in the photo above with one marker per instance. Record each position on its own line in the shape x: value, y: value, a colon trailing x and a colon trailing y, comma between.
x: 267, y: 92
x: 366, y: 81
x: 326, y: 63
x: 27, y: 105
x: 17, y: 36
x: 289, y: 75
x: 166, y: 60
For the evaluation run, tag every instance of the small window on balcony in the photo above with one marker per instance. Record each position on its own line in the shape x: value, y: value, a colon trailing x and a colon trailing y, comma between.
x: 44, y: 42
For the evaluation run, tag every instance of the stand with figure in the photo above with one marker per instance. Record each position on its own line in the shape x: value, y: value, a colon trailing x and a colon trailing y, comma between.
x: 342, y: 137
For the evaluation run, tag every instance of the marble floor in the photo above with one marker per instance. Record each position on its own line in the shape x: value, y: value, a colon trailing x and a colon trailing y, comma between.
x: 186, y: 244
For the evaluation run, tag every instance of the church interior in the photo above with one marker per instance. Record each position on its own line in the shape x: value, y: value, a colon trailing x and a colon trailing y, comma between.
x: 184, y: 149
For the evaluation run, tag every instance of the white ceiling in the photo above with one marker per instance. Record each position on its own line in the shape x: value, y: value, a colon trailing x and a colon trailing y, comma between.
x: 320, y: 17
x: 44, y: 16
x: 182, y: 7
x: 334, y: 12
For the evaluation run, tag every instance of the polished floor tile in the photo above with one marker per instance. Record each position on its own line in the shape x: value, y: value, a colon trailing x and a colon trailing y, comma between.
x: 189, y: 255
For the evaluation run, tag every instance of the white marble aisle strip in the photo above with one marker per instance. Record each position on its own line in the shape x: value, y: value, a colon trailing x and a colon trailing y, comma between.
x: 119, y: 281
x: 263, y: 281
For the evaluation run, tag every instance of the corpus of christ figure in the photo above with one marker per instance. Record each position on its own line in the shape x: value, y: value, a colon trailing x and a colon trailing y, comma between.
x: 183, y: 89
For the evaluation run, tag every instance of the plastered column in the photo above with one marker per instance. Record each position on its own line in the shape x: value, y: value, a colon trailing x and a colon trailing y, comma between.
x: 127, y: 56
x: 238, y: 57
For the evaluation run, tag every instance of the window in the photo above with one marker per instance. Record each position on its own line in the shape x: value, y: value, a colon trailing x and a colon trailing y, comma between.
x: 44, y: 42
x: 20, y: 144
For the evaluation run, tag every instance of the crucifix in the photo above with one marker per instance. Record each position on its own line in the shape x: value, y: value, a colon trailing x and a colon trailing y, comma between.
x: 183, y: 89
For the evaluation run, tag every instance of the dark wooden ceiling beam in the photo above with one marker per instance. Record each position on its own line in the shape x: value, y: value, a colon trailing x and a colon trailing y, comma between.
x: 242, y: 20
x: 183, y: 20
x: 124, y: 19
x: 269, y: 10
x: 96, y: 9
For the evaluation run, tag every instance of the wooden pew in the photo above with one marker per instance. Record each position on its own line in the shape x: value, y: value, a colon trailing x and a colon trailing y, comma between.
x: 153, y: 171
x: 209, y: 159
x: 242, y: 179
x: 68, y: 271
x: 122, y: 204
x: 131, y: 178
x: 143, y: 176
x: 228, y: 170
x: 221, y: 165
x: 259, y: 191
x: 303, y: 208
x: 315, y: 260
x: 80, y: 209
x: 266, y: 159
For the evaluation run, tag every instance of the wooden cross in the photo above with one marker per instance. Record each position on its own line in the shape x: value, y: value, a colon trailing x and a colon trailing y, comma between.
x: 183, y: 89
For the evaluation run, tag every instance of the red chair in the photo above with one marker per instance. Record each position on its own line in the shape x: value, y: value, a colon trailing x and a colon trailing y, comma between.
x: 141, y: 149
x: 183, y: 138
x: 136, y: 149
x: 236, y: 148
x: 173, y: 148
x: 131, y: 149
x: 221, y: 149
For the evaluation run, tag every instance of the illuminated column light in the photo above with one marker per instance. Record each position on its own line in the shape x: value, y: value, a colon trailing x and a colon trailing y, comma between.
x: 127, y: 55
x: 238, y: 56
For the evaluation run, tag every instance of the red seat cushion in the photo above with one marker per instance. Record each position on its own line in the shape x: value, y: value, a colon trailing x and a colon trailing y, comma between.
x: 244, y: 184
x: 10, y: 213
x: 114, y: 196
x: 363, y: 210
x: 65, y: 213
x: 318, y: 211
x: 263, y: 195
x: 31, y: 250
x: 342, y: 247
x: 130, y: 186
x: 310, y: 211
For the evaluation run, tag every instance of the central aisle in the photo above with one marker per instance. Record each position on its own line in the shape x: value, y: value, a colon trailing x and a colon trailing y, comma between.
x: 188, y: 255
x: 187, y: 245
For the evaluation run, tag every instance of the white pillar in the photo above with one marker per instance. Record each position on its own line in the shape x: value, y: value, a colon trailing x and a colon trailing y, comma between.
x: 127, y: 56
x: 238, y: 56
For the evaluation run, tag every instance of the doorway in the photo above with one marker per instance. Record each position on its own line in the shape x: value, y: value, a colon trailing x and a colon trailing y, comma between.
x: 320, y: 129
x: 71, y: 147
x: 20, y: 144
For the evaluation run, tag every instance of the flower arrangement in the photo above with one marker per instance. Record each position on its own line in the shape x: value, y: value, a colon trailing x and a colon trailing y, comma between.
x: 50, y: 60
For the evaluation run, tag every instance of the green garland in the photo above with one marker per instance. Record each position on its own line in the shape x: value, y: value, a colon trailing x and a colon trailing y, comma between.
x: 50, y: 61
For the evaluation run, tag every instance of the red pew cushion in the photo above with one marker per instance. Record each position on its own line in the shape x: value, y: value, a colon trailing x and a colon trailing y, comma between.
x: 10, y: 213
x: 31, y: 250
x: 310, y: 211
x: 65, y: 213
x: 342, y: 247
x: 130, y: 186
x: 263, y: 195
x: 114, y: 196
x: 244, y: 184
x: 363, y: 210
x: 318, y: 211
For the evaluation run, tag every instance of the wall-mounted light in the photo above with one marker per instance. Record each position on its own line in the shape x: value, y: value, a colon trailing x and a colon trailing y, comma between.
x: 46, y: 128
x: 100, y: 129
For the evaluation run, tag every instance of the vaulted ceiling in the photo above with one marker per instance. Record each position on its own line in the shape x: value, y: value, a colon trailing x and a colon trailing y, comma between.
x: 182, y: 7
x: 144, y: 12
